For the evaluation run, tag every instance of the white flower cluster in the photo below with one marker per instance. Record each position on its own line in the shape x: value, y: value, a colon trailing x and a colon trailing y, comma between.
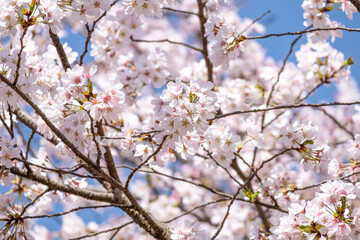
x: 8, y: 151
x: 315, y: 13
x: 295, y: 135
x: 227, y: 44
x: 185, y: 108
x: 328, y: 216
x: 146, y: 8
x: 182, y: 114
x: 188, y: 231
x: 320, y: 62
x: 221, y: 143
x: 111, y: 39
x: 86, y: 10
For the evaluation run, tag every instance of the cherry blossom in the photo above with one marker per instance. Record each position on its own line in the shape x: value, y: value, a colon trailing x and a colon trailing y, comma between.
x: 172, y: 121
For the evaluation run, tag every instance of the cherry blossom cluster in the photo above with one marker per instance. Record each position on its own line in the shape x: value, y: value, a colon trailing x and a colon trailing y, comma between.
x: 81, y: 96
x: 320, y: 62
x: 146, y: 8
x: 301, y: 138
x: 221, y: 143
x: 182, y: 114
x: 84, y: 11
x: 8, y: 151
x: 227, y: 44
x: 111, y: 40
x: 315, y: 13
x: 186, y: 230
x: 329, y: 215
x: 227, y: 39
x: 351, y: 163
x: 239, y: 94
x: 23, y: 14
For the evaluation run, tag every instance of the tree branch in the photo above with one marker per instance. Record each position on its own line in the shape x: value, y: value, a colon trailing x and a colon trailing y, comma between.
x: 54, y: 185
x: 60, y: 50
x: 286, y: 107
x: 302, y: 32
x: 165, y: 40
x: 202, y: 18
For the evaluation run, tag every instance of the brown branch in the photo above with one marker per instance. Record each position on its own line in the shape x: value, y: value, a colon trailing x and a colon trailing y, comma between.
x: 7, y: 127
x: 75, y: 210
x: 179, y: 11
x: 302, y: 32
x: 60, y: 50
x: 165, y: 40
x: 19, y: 55
x: 337, y: 123
x: 286, y: 107
x: 226, y: 215
x: 54, y: 185
x: 91, y: 31
x: 60, y: 171
x: 104, y: 231
x: 145, y: 162
x: 282, y: 69
x: 26, y: 119
x: 202, y: 18
x: 109, y: 162
x: 255, y: 21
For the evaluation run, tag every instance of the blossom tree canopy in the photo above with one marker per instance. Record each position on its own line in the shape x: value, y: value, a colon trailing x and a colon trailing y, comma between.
x: 178, y: 127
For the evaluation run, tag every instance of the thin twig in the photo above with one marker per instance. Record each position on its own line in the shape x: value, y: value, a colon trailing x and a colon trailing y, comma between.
x: 104, y: 231
x: 255, y: 21
x: 226, y: 215
x: 91, y: 31
x: 302, y: 32
x: 145, y: 162
x: 197, y: 207
x: 286, y: 107
x: 179, y: 11
x: 282, y: 68
x: 202, y: 18
x: 337, y: 122
x: 6, y: 127
x: 325, y: 181
x: 165, y: 40
x: 75, y: 210
x: 60, y: 50
x: 28, y: 144
x: 18, y: 64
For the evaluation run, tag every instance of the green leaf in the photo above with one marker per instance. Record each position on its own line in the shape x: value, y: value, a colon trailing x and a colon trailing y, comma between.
x: 349, y: 62
x: 89, y: 85
x: 193, y: 98
x: 308, y: 142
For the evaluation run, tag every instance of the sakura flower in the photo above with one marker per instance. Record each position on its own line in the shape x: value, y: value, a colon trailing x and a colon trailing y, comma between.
x: 253, y: 131
x: 188, y: 231
x: 348, y: 8
x: 8, y: 151
x: 354, y: 147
